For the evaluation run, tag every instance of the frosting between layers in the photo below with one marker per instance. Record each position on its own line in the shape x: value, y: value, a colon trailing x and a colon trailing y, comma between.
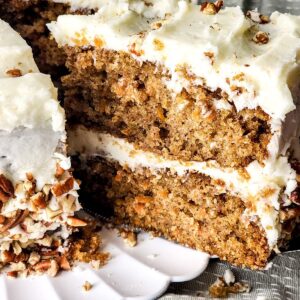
x: 262, y: 187
x: 215, y: 48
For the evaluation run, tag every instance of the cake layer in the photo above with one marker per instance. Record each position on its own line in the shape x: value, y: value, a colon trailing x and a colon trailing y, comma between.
x: 262, y: 188
x: 38, y: 194
x: 190, y: 209
x: 113, y: 92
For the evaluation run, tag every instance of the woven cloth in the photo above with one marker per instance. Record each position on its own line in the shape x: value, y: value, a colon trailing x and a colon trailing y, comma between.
x: 282, y: 280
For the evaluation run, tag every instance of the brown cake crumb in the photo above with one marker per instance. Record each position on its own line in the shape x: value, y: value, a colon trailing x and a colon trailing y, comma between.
x: 225, y: 285
x: 86, y: 245
x: 129, y: 237
x: 87, y: 286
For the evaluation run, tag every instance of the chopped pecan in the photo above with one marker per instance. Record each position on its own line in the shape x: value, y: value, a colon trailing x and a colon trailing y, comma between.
x: 22, y: 257
x: 29, y: 177
x: 133, y: 49
x: 64, y: 263
x: 261, y: 37
x: 29, y: 187
x: 34, y: 258
x: 257, y: 17
x: 209, y: 8
x: 6, y: 189
x: 49, y: 254
x: 43, y: 265
x: 289, y: 213
x: 75, y: 222
x: 219, y: 4
x: 2, y: 219
x: 63, y: 187
x: 17, y: 219
x: 8, y: 256
x: 54, y: 268
x: 68, y: 203
x: 47, y: 191
x: 59, y: 171
x: 14, y: 73
x: 16, y: 246
x: 295, y: 196
x: 49, y: 266
x: 53, y: 213
x: 39, y: 200
x: 13, y: 274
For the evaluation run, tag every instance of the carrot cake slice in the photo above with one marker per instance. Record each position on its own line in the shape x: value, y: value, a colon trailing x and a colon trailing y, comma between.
x: 38, y: 194
x: 184, y: 120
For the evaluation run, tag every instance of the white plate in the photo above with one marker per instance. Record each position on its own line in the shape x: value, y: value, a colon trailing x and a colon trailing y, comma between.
x: 139, y: 273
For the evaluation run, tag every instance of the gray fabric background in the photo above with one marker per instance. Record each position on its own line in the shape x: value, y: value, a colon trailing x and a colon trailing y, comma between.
x: 282, y: 280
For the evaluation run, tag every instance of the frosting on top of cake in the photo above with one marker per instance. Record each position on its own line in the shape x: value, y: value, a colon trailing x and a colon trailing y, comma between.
x: 32, y: 123
x: 83, y: 4
x: 255, y: 64
x: 154, y: 6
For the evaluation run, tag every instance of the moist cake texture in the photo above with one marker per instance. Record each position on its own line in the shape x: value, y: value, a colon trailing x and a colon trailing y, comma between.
x: 184, y: 119
x: 38, y: 194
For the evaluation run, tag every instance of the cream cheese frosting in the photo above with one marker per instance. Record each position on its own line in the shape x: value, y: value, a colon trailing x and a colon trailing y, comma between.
x: 83, y: 4
x: 157, y: 6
